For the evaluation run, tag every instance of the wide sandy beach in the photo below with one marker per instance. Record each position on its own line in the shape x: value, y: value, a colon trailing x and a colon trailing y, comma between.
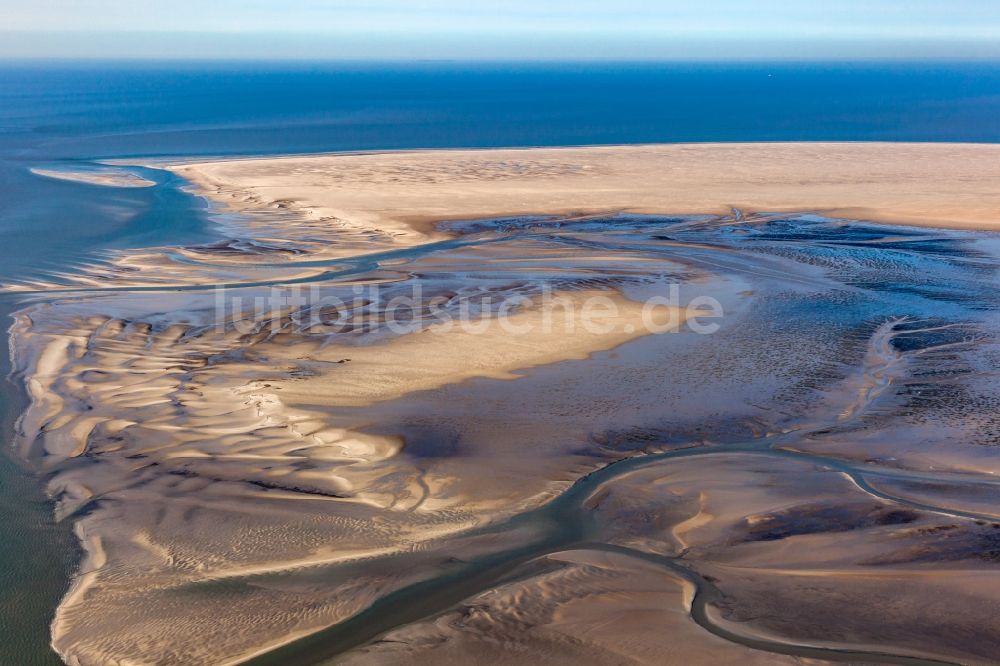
x: 946, y: 185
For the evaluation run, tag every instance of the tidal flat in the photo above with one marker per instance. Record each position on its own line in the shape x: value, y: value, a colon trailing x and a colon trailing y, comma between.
x: 812, y: 480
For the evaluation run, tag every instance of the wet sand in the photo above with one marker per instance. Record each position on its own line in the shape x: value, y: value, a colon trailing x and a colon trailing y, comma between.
x: 109, y: 177
x: 262, y: 484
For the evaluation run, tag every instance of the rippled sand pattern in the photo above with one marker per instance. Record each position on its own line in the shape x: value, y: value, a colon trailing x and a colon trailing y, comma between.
x: 815, y: 481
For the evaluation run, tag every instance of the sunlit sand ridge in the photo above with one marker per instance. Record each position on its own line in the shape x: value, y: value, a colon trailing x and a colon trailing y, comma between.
x: 242, y: 479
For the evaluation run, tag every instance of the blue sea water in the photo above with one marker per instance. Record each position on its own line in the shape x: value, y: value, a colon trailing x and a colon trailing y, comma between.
x: 66, y: 114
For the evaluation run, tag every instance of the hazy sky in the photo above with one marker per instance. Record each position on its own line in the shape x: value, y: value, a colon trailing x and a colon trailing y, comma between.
x: 517, y: 29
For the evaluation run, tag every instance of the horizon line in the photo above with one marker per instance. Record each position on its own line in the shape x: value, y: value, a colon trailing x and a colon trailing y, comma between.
x: 401, y: 60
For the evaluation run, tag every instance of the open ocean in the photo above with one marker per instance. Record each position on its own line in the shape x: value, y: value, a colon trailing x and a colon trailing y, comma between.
x: 58, y: 114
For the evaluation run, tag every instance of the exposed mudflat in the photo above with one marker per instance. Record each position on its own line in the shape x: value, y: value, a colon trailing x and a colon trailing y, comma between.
x: 816, y: 480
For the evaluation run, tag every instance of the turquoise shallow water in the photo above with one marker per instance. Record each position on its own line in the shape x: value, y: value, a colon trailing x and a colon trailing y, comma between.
x: 67, y: 115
